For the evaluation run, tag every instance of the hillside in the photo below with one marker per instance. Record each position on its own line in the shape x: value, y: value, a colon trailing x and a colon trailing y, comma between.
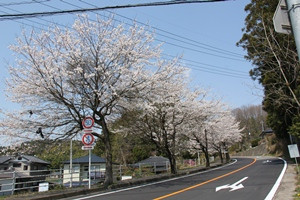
x: 260, y: 150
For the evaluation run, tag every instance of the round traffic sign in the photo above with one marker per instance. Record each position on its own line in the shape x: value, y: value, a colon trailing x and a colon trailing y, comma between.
x: 88, y: 139
x: 88, y: 122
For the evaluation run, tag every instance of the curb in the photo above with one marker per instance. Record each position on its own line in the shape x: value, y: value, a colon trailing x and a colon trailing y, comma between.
x: 128, y: 183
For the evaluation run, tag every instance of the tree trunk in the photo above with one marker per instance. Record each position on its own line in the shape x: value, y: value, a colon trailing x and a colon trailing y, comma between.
x: 204, y: 150
x: 227, y: 156
x: 172, y: 160
x: 108, y: 155
x: 173, y: 165
x: 221, y: 156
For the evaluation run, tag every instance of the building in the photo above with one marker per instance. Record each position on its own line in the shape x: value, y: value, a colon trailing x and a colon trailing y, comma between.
x: 80, y: 175
x: 20, y: 172
x: 157, y: 163
x: 266, y: 133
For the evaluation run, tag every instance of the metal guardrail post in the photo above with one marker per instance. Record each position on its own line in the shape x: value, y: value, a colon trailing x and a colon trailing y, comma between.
x: 13, y: 182
x: 71, y: 177
x: 60, y: 177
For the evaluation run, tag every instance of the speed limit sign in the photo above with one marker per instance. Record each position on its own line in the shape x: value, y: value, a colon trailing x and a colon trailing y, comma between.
x: 88, y: 122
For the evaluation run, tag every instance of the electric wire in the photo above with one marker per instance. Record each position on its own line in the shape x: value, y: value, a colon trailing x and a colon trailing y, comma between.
x: 51, y: 13
x: 211, y: 48
x: 169, y: 43
x: 197, y: 63
x: 196, y: 43
x: 199, y: 51
x: 220, y: 71
x: 22, y: 3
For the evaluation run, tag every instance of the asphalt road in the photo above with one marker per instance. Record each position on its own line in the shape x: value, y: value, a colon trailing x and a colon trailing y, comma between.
x: 244, y: 179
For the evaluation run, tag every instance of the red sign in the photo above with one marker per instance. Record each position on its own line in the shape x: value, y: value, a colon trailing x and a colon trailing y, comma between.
x: 88, y: 122
x: 88, y: 139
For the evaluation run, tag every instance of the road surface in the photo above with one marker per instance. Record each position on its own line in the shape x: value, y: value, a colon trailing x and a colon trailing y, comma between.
x: 245, y: 179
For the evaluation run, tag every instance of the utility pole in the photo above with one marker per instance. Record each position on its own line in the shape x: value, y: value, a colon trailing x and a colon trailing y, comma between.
x: 286, y: 20
x: 287, y: 15
x: 293, y: 7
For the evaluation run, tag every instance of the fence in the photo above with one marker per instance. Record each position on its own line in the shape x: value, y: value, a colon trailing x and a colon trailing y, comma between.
x: 131, y: 171
x: 12, y: 182
x: 122, y: 172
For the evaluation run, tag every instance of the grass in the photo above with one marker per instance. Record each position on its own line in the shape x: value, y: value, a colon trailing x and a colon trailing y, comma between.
x: 297, y: 195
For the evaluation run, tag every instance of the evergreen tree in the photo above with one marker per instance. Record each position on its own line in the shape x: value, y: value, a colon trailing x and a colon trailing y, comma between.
x: 276, y: 66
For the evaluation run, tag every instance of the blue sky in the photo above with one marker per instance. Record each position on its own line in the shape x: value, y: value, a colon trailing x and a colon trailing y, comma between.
x: 205, y: 34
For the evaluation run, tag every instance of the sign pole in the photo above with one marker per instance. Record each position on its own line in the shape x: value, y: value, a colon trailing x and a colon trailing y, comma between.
x: 88, y: 140
x: 89, y: 169
x: 71, y: 163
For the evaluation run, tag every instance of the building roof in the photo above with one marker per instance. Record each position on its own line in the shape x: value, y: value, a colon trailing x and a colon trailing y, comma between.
x: 22, y: 158
x: 85, y: 159
x: 158, y: 160
x: 266, y: 132
x: 35, y: 159
x: 4, y: 159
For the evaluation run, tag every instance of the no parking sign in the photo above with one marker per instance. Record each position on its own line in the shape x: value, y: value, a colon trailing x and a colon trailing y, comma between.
x: 88, y: 139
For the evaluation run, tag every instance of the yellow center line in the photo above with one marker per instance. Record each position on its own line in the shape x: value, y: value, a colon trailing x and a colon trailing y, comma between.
x: 203, y: 183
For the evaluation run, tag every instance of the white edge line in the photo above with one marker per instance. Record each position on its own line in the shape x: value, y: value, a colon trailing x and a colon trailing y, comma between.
x: 277, y: 183
x: 140, y: 186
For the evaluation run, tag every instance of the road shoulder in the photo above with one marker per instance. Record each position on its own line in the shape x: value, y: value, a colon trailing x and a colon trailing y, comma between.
x: 287, y: 186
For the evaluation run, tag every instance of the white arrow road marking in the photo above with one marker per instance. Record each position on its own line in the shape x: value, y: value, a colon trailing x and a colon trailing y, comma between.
x: 267, y: 161
x: 235, y: 186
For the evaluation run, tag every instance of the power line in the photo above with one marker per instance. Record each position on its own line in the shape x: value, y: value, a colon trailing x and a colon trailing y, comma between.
x: 166, y: 42
x: 42, y: 14
x: 231, y: 73
x: 196, y: 66
x: 219, y: 73
x: 206, y: 46
x: 217, y: 69
x: 206, y: 64
x: 199, y: 51
x: 190, y: 42
x: 32, y: 20
x: 23, y: 3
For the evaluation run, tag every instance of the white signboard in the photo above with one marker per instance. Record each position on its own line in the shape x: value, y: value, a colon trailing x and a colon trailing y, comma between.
x: 87, y: 147
x: 281, y: 19
x: 293, y: 149
x: 43, y: 187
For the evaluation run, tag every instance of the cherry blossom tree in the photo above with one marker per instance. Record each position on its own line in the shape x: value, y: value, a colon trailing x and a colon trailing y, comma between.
x: 212, y: 128
x: 225, y: 132
x: 163, y: 112
x: 92, y: 69
x: 199, y: 137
